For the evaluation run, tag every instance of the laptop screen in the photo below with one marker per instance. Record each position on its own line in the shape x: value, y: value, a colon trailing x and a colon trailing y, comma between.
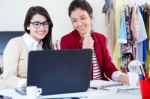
x: 60, y: 71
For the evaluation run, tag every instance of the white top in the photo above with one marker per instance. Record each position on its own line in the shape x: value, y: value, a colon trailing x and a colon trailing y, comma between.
x: 31, y: 43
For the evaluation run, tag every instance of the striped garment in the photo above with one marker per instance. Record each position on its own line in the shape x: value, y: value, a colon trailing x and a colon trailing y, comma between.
x: 96, y: 70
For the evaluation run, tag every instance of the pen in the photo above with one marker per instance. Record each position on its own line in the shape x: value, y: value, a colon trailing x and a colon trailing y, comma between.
x: 21, y: 91
x: 123, y: 90
x: 108, y: 78
x: 78, y: 97
x: 67, y: 98
x: 141, y: 75
x: 142, y: 70
x: 99, y: 88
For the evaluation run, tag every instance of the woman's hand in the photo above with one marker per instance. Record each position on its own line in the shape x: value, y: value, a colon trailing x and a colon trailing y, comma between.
x: 124, y: 78
x: 87, y: 41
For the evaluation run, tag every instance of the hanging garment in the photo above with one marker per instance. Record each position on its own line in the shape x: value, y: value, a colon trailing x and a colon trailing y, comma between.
x: 142, y: 32
x: 123, y: 32
x: 145, y: 42
x: 141, y: 37
x: 117, y: 47
x: 110, y: 24
x: 107, y: 6
x: 127, y: 49
x: 147, y: 22
x: 134, y: 23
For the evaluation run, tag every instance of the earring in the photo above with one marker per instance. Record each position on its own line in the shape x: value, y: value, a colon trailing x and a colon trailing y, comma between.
x: 28, y: 28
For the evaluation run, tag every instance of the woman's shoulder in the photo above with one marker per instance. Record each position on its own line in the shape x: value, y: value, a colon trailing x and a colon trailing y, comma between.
x: 69, y: 35
x: 16, y: 41
x: 14, y: 44
x: 99, y: 35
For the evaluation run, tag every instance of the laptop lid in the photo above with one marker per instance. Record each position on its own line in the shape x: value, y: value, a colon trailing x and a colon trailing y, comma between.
x: 60, y: 71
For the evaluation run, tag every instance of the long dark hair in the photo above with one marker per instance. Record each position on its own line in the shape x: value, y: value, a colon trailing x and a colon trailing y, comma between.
x: 47, y: 41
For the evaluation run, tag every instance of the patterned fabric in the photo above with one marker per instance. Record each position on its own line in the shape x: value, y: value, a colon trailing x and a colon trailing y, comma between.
x: 129, y: 46
x: 130, y: 38
x: 96, y: 70
x: 123, y: 31
x: 127, y: 49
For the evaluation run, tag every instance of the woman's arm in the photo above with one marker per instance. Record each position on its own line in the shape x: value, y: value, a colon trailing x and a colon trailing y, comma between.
x: 10, y: 61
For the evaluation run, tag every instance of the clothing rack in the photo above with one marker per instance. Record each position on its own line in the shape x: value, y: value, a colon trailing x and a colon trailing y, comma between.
x: 122, y: 5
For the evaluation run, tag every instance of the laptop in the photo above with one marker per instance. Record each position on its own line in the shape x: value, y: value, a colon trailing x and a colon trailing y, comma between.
x: 60, y: 71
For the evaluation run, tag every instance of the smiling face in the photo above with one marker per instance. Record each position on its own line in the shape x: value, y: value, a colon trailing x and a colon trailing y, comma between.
x: 81, y: 21
x: 38, y: 33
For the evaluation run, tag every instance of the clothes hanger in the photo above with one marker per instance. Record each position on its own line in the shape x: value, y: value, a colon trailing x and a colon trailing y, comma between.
x: 135, y: 3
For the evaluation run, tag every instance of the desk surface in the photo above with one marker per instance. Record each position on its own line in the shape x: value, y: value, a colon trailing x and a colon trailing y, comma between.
x: 109, y: 93
x: 92, y: 94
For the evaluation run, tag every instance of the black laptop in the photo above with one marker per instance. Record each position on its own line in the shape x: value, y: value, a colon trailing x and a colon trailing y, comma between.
x: 60, y: 71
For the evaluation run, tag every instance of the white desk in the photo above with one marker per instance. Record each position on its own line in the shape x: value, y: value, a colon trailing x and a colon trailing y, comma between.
x: 112, y: 93
x: 92, y: 94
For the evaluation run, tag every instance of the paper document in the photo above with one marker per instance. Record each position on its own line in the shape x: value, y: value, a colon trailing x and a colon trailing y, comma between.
x: 114, y: 87
x: 104, y: 84
x: 128, y: 88
x: 135, y: 90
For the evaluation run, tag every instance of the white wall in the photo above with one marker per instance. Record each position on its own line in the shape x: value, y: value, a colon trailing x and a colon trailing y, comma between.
x: 12, y: 14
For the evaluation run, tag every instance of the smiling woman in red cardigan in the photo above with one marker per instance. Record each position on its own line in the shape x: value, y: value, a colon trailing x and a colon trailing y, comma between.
x: 82, y: 37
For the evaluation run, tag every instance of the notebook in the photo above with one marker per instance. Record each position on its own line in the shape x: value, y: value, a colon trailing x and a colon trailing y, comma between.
x: 60, y: 71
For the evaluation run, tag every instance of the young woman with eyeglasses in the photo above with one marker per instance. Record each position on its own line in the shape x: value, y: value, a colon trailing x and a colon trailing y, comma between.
x: 38, y: 28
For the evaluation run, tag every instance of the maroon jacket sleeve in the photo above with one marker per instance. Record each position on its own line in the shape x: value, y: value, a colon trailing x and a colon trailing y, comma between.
x: 71, y: 41
x: 106, y: 64
x: 64, y: 43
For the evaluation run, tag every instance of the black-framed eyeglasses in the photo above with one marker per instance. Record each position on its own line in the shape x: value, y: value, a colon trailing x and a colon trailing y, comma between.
x: 37, y: 24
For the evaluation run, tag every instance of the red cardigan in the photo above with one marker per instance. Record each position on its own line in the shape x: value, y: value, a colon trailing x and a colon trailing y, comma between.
x: 73, y: 41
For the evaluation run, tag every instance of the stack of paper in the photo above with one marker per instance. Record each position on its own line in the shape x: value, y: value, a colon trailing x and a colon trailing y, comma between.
x: 104, y: 84
x: 115, y: 87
